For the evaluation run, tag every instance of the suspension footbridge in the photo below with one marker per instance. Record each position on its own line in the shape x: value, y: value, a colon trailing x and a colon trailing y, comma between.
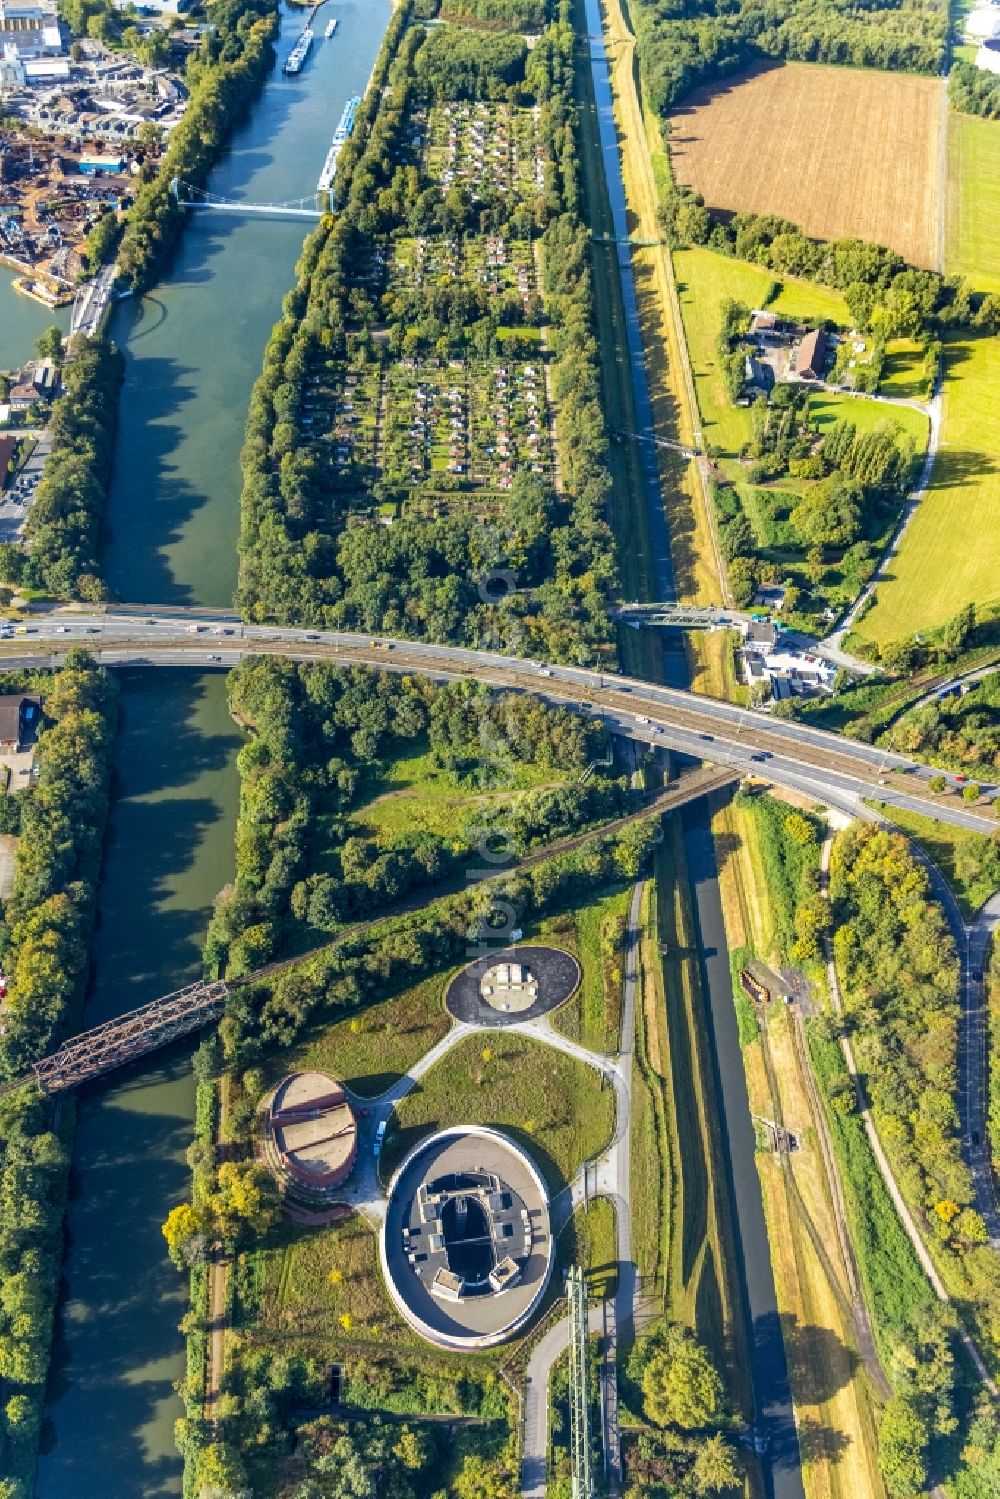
x: 192, y: 197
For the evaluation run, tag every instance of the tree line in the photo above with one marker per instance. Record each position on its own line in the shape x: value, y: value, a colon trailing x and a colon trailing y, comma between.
x: 44, y: 945
x: 300, y: 558
x: 684, y: 43
x: 62, y: 526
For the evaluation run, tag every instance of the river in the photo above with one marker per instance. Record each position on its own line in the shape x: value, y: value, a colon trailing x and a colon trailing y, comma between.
x: 194, y: 345
x: 780, y: 1464
x: 193, y: 350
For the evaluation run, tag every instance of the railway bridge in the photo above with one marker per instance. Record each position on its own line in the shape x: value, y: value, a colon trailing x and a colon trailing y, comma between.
x: 127, y: 1037
x: 138, y: 1032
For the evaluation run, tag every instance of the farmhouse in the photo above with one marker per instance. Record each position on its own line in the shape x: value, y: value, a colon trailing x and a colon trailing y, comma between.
x: 810, y: 357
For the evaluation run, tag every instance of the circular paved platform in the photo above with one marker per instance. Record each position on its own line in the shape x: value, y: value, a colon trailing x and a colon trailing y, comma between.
x: 558, y: 975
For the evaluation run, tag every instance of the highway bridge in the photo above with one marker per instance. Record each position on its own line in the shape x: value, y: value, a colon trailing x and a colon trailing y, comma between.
x: 827, y: 766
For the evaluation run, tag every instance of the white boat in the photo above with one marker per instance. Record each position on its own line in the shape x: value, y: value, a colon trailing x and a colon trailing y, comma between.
x: 340, y: 135
x: 331, y: 27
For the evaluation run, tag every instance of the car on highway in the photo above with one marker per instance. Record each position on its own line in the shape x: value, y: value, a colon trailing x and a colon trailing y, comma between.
x: 213, y: 657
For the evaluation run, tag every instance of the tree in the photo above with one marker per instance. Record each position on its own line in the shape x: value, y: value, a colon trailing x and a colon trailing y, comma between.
x: 182, y: 1228
x: 800, y: 829
x: 244, y: 1200
x: 902, y: 1441
x: 50, y: 344
x: 938, y: 783
x: 716, y: 1466
x: 829, y: 514
x: 680, y: 1384
x: 220, y: 1473
x: 959, y: 629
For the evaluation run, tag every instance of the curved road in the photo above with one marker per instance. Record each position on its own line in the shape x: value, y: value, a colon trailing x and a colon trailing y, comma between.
x: 792, y: 754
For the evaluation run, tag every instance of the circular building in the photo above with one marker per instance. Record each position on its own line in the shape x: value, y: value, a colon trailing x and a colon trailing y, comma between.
x: 310, y: 1135
x: 509, y: 986
x: 466, y: 1243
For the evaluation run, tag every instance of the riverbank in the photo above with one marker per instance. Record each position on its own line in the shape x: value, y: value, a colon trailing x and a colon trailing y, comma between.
x: 191, y: 348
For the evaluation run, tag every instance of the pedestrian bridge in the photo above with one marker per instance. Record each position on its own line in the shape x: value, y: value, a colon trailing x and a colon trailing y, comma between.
x: 195, y: 197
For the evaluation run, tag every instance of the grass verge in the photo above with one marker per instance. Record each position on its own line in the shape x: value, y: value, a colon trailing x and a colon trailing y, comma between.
x: 554, y: 1105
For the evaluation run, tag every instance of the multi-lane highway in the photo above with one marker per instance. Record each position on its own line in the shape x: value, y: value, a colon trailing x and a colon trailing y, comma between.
x: 819, y: 763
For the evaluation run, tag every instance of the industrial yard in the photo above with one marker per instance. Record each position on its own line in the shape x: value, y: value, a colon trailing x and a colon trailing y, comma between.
x: 78, y: 134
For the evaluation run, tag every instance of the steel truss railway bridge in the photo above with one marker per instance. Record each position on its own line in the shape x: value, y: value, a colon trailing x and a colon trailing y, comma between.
x: 126, y: 1038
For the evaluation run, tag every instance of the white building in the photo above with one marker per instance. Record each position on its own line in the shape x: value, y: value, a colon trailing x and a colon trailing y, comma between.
x: 983, y: 23
x: 988, y: 56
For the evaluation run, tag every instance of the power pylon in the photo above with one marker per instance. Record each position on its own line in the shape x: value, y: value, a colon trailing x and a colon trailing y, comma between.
x: 579, y: 1403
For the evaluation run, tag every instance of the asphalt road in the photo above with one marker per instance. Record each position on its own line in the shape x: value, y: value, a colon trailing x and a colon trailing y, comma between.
x: 787, y: 753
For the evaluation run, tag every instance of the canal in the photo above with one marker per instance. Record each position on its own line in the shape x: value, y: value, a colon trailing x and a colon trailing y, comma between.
x: 193, y: 350
x: 194, y: 345
x: 780, y: 1462
x: 111, y: 1411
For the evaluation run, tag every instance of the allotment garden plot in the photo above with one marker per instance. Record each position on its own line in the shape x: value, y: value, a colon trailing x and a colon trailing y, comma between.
x: 466, y: 143
x: 396, y: 411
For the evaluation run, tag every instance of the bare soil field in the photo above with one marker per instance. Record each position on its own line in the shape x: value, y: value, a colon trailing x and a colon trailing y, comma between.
x: 837, y: 151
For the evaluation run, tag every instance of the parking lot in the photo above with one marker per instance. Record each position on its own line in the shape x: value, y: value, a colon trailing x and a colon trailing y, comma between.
x: 16, y: 499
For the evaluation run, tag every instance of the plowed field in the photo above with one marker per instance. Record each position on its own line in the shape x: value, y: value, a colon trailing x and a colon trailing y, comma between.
x: 837, y: 151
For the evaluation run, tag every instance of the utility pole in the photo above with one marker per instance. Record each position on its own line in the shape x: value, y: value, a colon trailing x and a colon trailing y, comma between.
x: 579, y: 1404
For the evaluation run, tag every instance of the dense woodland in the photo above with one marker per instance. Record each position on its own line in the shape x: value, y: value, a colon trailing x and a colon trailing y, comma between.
x: 683, y: 43
x: 63, y: 524
x: 318, y: 737
x: 45, y: 940
x: 526, y: 565
x: 501, y: 15
x: 959, y: 732
x: 974, y: 91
